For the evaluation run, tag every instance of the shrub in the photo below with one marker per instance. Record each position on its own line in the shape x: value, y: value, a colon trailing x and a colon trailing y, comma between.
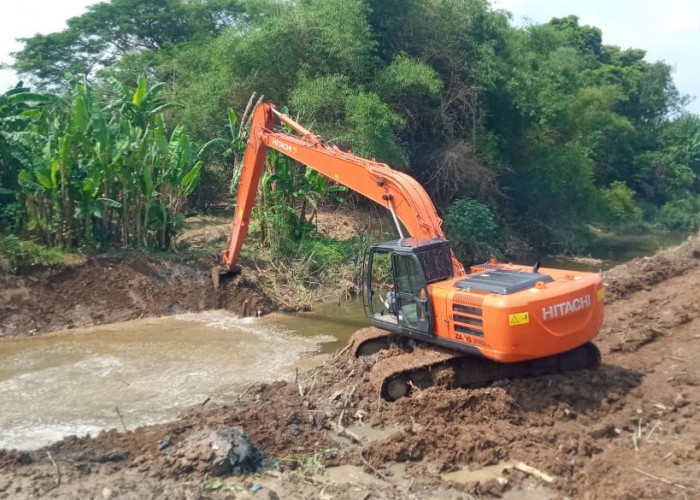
x: 473, y: 230
x: 682, y: 214
x: 617, y: 206
x: 16, y: 253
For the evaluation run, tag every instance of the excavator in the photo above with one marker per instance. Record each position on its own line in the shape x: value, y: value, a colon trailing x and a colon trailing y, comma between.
x: 456, y: 327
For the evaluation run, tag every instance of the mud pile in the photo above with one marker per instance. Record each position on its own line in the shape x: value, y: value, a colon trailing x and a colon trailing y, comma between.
x: 628, y: 430
x: 112, y: 289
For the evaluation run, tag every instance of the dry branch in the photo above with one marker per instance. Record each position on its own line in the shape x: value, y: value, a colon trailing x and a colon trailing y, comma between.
x: 531, y: 471
x: 372, y: 468
x: 341, y: 430
x: 58, y: 472
x: 121, y: 419
x: 663, y: 480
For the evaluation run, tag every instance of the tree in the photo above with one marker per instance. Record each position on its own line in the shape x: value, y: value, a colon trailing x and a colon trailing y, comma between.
x: 110, y: 30
x: 473, y: 230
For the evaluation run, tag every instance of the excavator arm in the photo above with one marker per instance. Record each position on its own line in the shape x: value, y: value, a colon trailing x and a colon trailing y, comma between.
x: 402, y: 195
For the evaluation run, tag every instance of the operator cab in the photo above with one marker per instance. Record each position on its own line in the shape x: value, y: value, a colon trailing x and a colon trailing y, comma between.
x: 399, y: 273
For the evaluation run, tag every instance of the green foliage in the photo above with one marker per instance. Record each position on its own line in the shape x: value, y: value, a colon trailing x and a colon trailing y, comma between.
x: 322, y: 254
x: 110, y: 30
x: 18, y: 253
x: 546, y: 126
x: 21, y: 127
x: 408, y: 82
x: 106, y: 172
x: 340, y: 38
x: 553, y: 193
x: 682, y: 214
x: 288, y: 204
x: 617, y: 205
x: 473, y: 230
x: 321, y: 103
x: 317, y: 259
x: 373, y: 128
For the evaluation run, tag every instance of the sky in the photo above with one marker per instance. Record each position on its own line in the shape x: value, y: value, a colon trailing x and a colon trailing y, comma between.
x: 669, y: 30
x: 26, y: 18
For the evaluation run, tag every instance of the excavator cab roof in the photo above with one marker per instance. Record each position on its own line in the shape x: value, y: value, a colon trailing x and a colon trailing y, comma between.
x: 434, y: 256
x: 412, y: 245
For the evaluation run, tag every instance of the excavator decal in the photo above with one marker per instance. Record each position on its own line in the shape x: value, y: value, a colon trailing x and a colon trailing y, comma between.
x: 284, y: 146
x: 518, y: 319
x: 564, y: 308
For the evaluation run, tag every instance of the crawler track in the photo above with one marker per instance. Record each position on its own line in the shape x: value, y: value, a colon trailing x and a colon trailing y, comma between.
x: 427, y: 365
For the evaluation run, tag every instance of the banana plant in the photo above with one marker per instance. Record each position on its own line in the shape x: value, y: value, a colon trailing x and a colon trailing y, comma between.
x: 21, y: 113
x: 110, y: 170
x: 141, y: 105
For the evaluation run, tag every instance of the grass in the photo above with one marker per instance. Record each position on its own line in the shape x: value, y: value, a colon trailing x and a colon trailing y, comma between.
x: 16, y: 254
x: 311, y: 269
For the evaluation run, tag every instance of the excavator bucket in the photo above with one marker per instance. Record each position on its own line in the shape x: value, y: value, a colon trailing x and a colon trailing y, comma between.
x: 221, y: 273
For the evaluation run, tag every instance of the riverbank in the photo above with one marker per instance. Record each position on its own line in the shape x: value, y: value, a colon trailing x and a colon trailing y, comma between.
x: 88, y: 291
x: 102, y: 290
x: 627, y: 430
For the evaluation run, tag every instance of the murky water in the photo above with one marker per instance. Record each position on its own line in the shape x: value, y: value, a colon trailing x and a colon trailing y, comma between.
x: 609, y: 250
x: 73, y: 382
x: 334, y: 319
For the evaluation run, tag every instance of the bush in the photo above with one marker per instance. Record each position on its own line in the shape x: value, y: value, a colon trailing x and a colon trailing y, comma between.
x: 682, y: 214
x: 617, y: 206
x: 15, y: 254
x: 323, y: 255
x: 473, y: 230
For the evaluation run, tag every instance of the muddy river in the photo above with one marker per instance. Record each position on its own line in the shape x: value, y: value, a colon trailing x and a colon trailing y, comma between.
x: 142, y: 372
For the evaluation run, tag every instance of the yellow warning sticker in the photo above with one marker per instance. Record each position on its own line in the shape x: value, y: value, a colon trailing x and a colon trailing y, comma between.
x: 518, y: 319
x: 601, y: 294
x: 240, y: 214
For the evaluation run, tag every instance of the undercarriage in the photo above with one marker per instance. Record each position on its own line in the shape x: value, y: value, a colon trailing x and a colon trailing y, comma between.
x: 423, y: 365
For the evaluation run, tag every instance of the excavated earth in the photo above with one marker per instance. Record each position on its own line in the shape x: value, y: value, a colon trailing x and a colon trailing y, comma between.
x: 627, y: 430
x: 106, y: 290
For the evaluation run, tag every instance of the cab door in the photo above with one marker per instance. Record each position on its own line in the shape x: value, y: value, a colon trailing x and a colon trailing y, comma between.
x: 414, y: 309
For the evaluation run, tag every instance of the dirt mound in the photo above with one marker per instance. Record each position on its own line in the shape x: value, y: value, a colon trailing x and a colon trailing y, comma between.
x: 111, y: 289
x: 644, y: 272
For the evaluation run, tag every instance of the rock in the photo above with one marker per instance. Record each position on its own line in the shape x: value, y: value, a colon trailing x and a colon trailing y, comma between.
x: 175, y: 308
x: 680, y: 401
x: 165, y: 442
x: 113, y: 456
x: 294, y: 421
x: 234, y: 454
x: 24, y: 458
x: 603, y: 431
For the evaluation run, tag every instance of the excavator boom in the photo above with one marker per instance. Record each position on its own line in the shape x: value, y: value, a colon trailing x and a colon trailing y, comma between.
x: 402, y: 195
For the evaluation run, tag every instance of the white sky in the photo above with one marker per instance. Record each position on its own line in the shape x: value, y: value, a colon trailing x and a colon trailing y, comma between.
x: 668, y: 30
x: 25, y: 18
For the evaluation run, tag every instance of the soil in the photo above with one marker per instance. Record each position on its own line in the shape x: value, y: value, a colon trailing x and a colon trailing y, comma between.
x: 104, y: 290
x: 629, y: 429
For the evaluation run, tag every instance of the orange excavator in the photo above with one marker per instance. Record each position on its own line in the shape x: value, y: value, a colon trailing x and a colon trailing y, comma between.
x: 462, y: 328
